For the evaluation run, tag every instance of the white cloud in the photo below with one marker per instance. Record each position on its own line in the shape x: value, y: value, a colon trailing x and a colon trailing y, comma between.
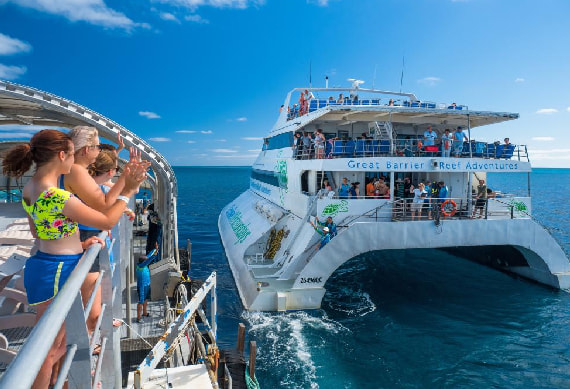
x: 186, y: 132
x: 160, y: 139
x: 194, y: 4
x: 149, y: 115
x: 169, y: 16
x: 549, y: 155
x: 221, y: 140
x: 252, y: 138
x: 429, y: 81
x: 547, y: 110
x: 10, y: 45
x: 242, y: 119
x: 11, y: 72
x: 543, y: 138
x: 223, y: 151
x: 191, y: 141
x: 519, y: 79
x: 206, y: 132
x: 568, y: 109
x: 321, y: 3
x: 254, y: 151
x: 90, y: 11
x: 196, y: 19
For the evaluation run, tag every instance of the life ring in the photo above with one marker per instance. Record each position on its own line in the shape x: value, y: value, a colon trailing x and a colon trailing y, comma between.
x: 444, y: 208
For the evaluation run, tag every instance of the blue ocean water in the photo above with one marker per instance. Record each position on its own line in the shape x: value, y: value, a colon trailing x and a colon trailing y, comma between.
x: 402, y: 319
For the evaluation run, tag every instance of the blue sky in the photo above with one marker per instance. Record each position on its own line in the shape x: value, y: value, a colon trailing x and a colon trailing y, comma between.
x: 202, y: 80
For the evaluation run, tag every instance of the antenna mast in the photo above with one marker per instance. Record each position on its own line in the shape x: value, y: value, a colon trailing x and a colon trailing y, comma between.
x: 402, y: 76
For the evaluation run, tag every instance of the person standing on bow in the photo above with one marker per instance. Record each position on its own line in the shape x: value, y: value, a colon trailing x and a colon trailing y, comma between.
x: 325, y: 235
x: 329, y: 224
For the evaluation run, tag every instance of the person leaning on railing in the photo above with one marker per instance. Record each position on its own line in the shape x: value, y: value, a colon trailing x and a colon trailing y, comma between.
x: 53, y: 215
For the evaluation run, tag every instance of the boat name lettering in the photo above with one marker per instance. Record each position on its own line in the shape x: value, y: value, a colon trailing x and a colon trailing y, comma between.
x: 261, y: 188
x: 240, y: 230
x: 445, y: 165
x: 311, y: 280
x: 492, y: 166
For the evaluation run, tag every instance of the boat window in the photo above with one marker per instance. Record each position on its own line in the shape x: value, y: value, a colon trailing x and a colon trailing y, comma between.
x: 279, y: 141
x: 265, y: 176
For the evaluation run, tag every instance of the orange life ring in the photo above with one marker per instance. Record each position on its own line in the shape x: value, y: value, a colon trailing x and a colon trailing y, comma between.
x: 444, y: 206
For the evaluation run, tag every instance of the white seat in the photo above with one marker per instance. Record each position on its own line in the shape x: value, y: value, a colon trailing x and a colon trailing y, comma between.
x: 18, y: 227
x: 24, y: 238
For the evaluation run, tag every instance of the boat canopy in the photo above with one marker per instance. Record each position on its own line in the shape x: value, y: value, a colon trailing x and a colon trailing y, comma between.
x: 23, y: 105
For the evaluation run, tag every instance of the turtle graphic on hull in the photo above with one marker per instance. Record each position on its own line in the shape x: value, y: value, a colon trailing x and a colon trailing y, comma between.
x: 334, y: 208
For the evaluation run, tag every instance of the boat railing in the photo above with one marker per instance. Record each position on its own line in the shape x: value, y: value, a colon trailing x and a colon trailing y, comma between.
x: 316, y: 103
x: 184, y: 326
x: 67, y: 309
x: 411, y: 147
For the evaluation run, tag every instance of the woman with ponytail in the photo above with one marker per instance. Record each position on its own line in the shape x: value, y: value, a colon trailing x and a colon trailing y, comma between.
x: 53, y: 214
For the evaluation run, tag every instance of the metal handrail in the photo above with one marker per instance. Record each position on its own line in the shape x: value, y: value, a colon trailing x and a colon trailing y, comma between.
x: 23, y: 370
x: 408, y: 147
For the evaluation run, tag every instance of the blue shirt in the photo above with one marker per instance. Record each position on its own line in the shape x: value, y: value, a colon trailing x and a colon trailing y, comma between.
x: 343, y: 191
x: 429, y: 137
x: 443, y: 192
x: 143, y: 272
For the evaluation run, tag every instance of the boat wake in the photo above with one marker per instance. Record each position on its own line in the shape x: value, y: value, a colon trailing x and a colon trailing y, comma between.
x: 290, y: 340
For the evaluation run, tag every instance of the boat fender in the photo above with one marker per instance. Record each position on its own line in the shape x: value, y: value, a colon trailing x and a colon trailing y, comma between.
x: 448, y: 208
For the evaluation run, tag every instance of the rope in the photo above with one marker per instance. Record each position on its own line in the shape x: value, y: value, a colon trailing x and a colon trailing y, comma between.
x: 251, y: 383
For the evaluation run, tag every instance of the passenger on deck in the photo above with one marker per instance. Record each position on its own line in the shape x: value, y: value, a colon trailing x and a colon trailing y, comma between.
x: 371, y: 187
x: 458, y: 137
x: 491, y: 194
x: 381, y: 190
x: 480, y: 199
x: 328, y: 224
x: 354, y: 190
x: 443, y: 192
x: 391, y: 103
x: 302, y: 104
x: 446, y: 142
x: 408, y: 192
x: 308, y: 97
x: 418, y: 200
x: 507, y: 141
x: 307, y: 142
x: 429, y: 137
x: 53, y: 215
x: 340, y: 99
x: 320, y: 144
x: 433, y: 195
x: 79, y: 182
x: 296, y: 143
x: 344, y: 188
x: 327, y: 186
x: 143, y: 282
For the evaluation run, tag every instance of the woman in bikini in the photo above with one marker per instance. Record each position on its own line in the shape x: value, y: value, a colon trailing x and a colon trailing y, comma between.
x: 53, y: 214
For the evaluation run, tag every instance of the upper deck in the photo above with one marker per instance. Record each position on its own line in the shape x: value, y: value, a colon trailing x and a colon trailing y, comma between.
x: 352, y: 105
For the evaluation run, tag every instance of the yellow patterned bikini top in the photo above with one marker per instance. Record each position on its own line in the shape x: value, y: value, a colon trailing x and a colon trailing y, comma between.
x: 47, y: 214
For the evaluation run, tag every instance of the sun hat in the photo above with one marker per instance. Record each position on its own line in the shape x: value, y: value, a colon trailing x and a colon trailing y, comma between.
x: 326, y: 229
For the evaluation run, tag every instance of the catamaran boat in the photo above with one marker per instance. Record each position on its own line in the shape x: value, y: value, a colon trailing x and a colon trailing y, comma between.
x: 378, y: 136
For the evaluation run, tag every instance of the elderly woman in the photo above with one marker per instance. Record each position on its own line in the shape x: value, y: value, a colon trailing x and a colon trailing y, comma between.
x: 80, y: 183
x: 53, y: 214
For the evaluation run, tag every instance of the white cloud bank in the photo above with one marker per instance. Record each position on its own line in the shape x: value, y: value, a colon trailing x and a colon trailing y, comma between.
x: 160, y: 139
x: 11, y: 72
x: 91, y: 11
x: 206, y: 132
x: 519, y: 80
x: 223, y: 151
x: 149, y: 115
x: 196, y: 19
x: 9, y: 45
x: 252, y: 138
x: 186, y: 132
x: 168, y: 16
x: 547, y: 111
x: 429, y: 81
x: 195, y: 4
